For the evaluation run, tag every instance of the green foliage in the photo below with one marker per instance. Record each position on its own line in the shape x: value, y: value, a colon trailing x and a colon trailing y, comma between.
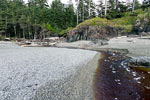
x: 21, y: 20
x: 127, y: 19
x: 2, y: 38
x: 94, y: 21
x: 57, y: 30
x: 49, y: 27
x: 137, y: 4
x: 83, y: 10
x: 146, y: 4
x: 60, y: 16
x: 145, y: 18
x: 112, y: 14
x: 126, y: 22
x: 64, y: 32
x: 115, y: 12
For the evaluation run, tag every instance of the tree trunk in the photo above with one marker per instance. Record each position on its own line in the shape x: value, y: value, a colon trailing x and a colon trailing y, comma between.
x: 116, y: 4
x: 77, y: 17
x: 105, y: 7
x: 89, y: 8
x: 23, y: 34
x: 29, y: 32
x: 6, y: 26
x: 35, y: 33
x: 15, y: 31
x: 6, y: 23
x: 133, y: 5
x: 101, y: 7
x: 83, y: 11
x: 77, y: 12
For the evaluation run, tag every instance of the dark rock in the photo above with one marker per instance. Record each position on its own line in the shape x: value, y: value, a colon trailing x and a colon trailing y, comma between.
x: 29, y: 86
x: 100, y: 42
x: 140, y: 61
x: 142, y: 25
x: 92, y: 33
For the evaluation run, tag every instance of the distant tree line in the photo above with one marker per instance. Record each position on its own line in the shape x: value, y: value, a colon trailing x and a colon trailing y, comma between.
x: 105, y: 8
x: 37, y: 19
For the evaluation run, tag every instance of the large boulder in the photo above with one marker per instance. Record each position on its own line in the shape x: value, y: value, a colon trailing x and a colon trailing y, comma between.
x: 92, y: 33
x: 142, y: 26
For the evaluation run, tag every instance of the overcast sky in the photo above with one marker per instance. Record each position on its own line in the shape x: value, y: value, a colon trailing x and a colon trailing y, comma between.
x: 65, y: 1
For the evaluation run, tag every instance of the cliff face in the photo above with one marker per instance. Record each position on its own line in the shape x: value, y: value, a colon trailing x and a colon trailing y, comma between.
x: 101, y: 28
x: 92, y: 33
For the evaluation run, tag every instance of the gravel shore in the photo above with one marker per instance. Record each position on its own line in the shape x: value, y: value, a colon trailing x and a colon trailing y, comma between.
x: 46, y: 73
x: 137, y: 46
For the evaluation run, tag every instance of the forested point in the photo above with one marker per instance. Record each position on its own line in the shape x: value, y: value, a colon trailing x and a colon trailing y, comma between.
x: 37, y: 20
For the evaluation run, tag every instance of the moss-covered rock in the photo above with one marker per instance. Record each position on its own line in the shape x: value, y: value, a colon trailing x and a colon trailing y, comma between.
x: 102, y: 28
x: 96, y: 28
x: 142, y: 25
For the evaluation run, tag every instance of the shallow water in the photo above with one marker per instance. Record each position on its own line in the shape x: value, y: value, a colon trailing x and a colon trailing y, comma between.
x: 115, y: 80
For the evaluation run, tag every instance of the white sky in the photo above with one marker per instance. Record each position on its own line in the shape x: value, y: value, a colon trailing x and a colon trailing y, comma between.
x: 65, y: 1
x: 49, y: 1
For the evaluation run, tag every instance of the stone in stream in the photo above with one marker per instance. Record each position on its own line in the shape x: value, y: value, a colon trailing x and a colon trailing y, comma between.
x: 140, y: 61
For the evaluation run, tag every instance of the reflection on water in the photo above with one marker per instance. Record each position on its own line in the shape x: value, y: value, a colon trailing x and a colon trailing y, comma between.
x: 115, y: 80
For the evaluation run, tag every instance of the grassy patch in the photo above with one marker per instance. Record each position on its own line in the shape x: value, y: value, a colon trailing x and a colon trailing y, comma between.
x: 64, y: 32
x: 96, y: 21
x: 127, y: 19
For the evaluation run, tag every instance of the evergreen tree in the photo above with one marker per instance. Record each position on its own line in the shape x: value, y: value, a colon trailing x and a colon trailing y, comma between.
x: 70, y: 17
x: 29, y: 20
x: 86, y: 9
x: 146, y: 4
x: 81, y: 11
x: 92, y: 9
x: 137, y: 4
x: 115, y: 9
x: 106, y: 4
x: 99, y: 8
x: 2, y: 25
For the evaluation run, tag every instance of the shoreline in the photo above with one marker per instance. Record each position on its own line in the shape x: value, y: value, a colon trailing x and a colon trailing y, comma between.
x: 85, y: 76
x: 131, y: 46
x: 97, y: 49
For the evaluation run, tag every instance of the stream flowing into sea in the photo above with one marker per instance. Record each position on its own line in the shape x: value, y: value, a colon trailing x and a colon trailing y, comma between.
x: 116, y: 80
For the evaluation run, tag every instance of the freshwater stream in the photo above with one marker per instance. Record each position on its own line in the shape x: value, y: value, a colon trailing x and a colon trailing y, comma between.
x: 115, y: 80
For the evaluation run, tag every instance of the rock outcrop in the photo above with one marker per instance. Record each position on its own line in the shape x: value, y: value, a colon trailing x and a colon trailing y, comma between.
x: 142, y: 26
x: 92, y: 33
